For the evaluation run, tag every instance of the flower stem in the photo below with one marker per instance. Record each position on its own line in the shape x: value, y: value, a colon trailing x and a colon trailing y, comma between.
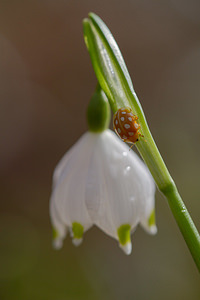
x: 184, y: 222
x: 166, y: 185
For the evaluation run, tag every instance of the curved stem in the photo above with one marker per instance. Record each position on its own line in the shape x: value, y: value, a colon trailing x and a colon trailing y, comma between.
x: 184, y: 222
x: 166, y: 185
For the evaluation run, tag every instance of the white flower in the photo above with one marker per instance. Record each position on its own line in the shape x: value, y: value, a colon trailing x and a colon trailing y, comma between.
x: 101, y: 182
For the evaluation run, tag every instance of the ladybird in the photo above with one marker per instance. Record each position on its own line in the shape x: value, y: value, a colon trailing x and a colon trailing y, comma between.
x: 126, y: 126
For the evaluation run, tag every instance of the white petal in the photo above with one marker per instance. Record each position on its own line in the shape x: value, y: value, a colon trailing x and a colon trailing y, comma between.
x: 57, y: 243
x: 71, y: 157
x: 148, y: 203
x: 148, y: 221
x: 152, y: 229
x: 97, y: 195
x: 77, y: 242
x: 59, y: 228
x: 68, y: 197
x: 127, y: 248
x: 116, y: 187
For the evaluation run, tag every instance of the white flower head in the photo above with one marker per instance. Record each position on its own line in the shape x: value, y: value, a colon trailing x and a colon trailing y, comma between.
x: 101, y: 182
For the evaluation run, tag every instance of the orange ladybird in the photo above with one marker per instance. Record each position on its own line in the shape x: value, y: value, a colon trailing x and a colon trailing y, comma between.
x: 126, y: 126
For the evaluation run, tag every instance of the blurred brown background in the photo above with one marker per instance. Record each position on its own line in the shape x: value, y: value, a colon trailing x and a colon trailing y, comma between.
x: 46, y: 78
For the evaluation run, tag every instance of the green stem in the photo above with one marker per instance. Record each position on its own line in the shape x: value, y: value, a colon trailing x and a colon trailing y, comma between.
x: 166, y: 185
x: 184, y: 222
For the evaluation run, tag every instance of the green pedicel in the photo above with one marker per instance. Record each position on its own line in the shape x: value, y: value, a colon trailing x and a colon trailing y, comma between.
x: 98, y: 112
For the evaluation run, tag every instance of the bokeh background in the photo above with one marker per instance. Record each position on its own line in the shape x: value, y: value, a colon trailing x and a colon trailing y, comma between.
x: 46, y: 81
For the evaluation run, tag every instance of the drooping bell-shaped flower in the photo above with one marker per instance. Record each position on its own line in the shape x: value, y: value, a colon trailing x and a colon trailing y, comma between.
x: 99, y: 181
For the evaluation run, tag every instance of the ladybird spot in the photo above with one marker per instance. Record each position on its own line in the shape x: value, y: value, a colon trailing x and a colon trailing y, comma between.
x: 127, y: 126
x: 131, y: 133
x: 129, y: 118
x: 124, y: 137
x: 136, y: 126
x: 116, y: 122
x: 122, y: 118
x: 119, y: 130
x: 123, y: 112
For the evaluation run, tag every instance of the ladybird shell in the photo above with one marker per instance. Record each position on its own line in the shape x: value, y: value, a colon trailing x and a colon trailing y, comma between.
x: 126, y: 126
